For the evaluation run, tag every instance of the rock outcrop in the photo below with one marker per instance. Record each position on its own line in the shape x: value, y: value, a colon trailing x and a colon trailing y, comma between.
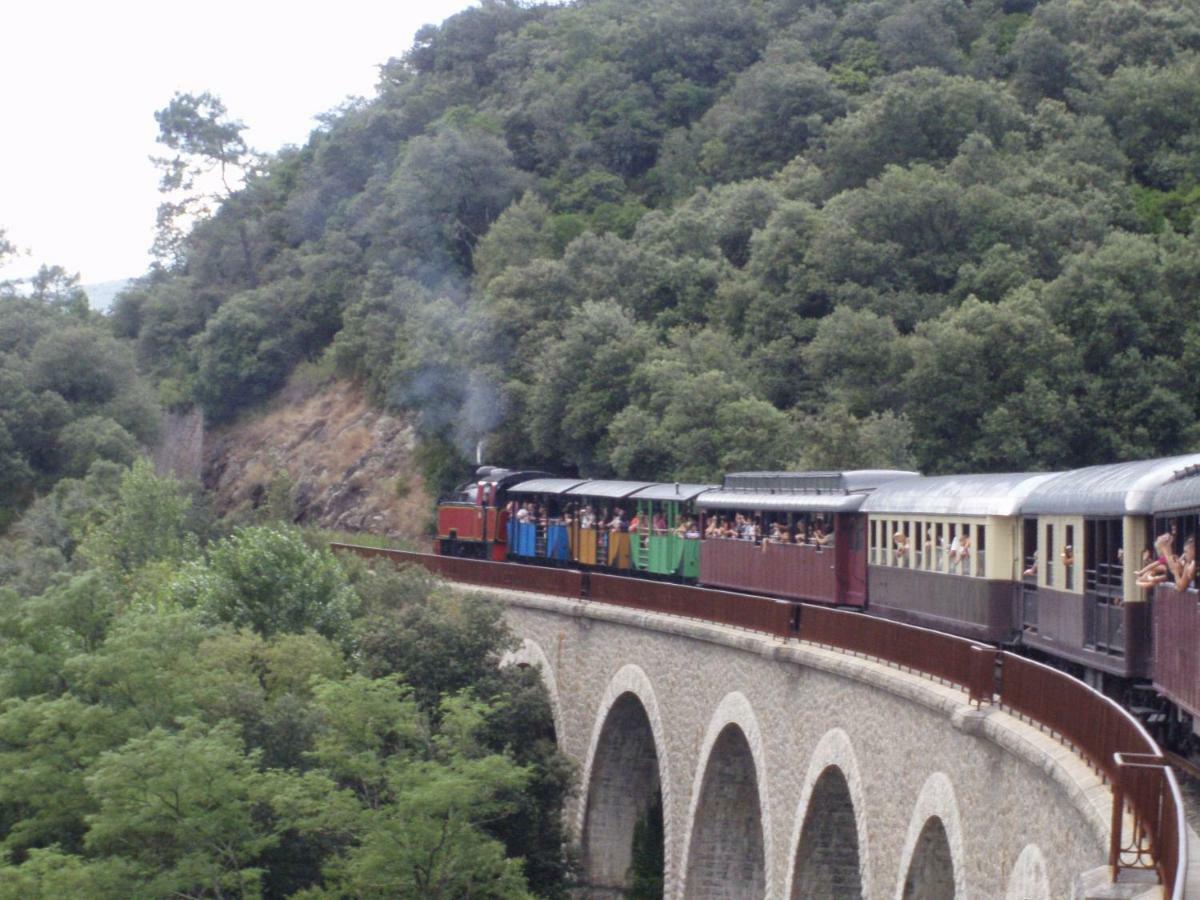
x: 345, y: 464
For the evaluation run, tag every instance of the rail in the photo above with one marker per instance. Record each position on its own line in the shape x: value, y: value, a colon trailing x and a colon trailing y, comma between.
x: 1148, y: 830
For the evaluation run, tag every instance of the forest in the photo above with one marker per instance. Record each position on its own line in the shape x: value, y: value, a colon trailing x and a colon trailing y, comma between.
x: 676, y: 238
x: 662, y: 239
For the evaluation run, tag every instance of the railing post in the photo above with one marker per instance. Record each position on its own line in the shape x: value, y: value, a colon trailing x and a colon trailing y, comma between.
x: 1118, y: 819
x: 982, y: 674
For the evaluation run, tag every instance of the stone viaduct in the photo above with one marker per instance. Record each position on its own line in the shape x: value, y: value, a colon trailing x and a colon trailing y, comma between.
x: 786, y: 770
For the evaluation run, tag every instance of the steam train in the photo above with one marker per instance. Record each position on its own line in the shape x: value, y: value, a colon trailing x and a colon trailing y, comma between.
x: 1045, y: 563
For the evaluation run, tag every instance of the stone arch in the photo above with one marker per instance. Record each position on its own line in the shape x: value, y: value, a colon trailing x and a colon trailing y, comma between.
x: 626, y: 765
x: 1029, y: 879
x: 729, y: 842
x: 530, y: 653
x: 931, y: 866
x: 831, y: 857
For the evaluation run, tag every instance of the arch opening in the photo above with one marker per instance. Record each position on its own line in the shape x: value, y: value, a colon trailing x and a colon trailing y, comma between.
x: 931, y: 871
x: 623, y: 798
x: 827, y: 862
x: 726, y: 857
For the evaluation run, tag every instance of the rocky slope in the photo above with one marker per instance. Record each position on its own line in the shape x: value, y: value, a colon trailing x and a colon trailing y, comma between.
x: 346, y: 465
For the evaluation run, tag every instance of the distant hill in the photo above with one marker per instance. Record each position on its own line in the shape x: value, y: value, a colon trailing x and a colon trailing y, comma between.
x: 101, y: 295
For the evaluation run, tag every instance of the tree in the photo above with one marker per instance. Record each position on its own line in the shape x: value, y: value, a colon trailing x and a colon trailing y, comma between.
x: 152, y: 521
x: 182, y: 809
x: 211, y: 161
x: 583, y: 382
x: 981, y: 369
x: 859, y: 358
x: 269, y: 580
x: 835, y: 438
x: 776, y: 108
x: 94, y: 438
x: 54, y: 286
x: 424, y: 796
x: 922, y: 115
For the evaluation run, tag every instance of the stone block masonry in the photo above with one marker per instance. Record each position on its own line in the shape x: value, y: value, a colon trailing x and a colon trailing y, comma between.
x: 791, y: 771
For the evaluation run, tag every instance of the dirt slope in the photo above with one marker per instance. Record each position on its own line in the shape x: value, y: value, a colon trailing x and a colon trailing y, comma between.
x: 349, y: 466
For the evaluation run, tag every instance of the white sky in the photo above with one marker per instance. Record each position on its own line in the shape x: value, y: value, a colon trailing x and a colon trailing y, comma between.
x: 80, y: 81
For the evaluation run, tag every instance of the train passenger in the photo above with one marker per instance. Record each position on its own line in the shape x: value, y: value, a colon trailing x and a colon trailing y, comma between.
x: 618, y: 521
x: 964, y: 553
x: 727, y: 530
x: 818, y: 534
x: 1183, y: 567
x: 693, y: 529
x: 713, y: 529
x: 1033, y: 566
x: 659, y: 523
x: 1156, y: 571
x: 778, y: 535
x: 900, y: 543
x: 1068, y: 556
x: 587, y: 518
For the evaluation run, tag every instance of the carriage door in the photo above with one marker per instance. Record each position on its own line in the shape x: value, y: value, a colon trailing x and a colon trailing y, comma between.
x: 850, y: 558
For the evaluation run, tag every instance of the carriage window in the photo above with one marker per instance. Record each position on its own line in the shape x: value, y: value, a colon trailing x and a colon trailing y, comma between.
x: 1049, y: 564
x: 1068, y: 558
x: 1104, y: 557
x: 1029, y: 549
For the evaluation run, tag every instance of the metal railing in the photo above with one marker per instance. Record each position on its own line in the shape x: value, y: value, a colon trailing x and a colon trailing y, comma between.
x: 1148, y: 827
x: 1148, y: 830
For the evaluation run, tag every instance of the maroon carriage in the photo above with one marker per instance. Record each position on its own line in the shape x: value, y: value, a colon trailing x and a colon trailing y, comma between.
x: 797, y: 535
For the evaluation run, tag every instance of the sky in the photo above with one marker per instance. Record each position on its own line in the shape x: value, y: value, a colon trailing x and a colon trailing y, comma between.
x: 80, y: 82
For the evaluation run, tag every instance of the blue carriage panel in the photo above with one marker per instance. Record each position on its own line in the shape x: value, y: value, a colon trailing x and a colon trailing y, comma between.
x: 526, y: 544
x: 558, y: 545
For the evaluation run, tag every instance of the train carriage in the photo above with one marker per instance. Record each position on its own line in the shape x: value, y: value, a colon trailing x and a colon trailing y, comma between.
x: 601, y: 543
x: 667, y: 539
x: 540, y: 532
x: 1083, y: 533
x: 821, y: 553
x: 1176, y: 607
x: 944, y: 552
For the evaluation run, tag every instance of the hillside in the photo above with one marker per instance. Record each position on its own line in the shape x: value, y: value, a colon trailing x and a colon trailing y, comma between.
x: 668, y: 239
x: 671, y: 238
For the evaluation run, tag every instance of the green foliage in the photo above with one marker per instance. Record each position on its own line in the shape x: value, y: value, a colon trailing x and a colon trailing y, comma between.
x: 93, y: 438
x: 69, y: 392
x: 179, y: 807
x: 269, y: 580
x: 649, y: 857
x: 505, y: 242
x: 993, y: 387
x: 148, y: 748
x: 152, y: 522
